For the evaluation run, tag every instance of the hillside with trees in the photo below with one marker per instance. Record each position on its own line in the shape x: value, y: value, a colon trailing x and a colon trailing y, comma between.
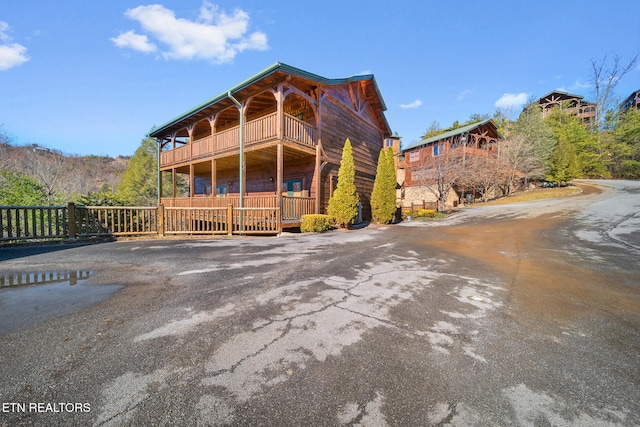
x: 31, y: 175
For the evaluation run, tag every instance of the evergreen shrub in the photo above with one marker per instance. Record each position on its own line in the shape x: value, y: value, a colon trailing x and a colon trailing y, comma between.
x: 343, y: 205
x: 315, y: 223
x: 383, y: 197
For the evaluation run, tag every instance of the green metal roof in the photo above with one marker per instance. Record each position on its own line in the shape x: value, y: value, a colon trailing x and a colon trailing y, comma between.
x: 273, y: 68
x: 447, y: 135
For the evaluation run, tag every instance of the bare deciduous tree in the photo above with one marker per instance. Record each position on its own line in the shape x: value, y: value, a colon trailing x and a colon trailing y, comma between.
x: 606, y: 76
x: 525, y: 151
x: 440, y: 173
x: 480, y: 174
x: 55, y: 172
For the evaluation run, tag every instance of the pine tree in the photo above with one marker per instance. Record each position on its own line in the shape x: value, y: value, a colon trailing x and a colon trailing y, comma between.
x: 343, y: 205
x: 139, y: 185
x: 564, y: 164
x: 383, y: 198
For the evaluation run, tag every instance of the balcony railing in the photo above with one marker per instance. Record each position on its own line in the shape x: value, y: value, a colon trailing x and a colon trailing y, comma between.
x: 256, y: 131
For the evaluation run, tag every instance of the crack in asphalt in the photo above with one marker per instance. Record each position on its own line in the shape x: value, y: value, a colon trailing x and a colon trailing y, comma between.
x: 288, y: 320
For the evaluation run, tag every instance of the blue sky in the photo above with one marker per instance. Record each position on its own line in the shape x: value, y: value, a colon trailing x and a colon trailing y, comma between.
x: 93, y: 77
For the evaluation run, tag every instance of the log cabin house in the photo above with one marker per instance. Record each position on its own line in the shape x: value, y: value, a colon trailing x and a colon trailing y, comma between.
x: 631, y: 101
x: 480, y: 138
x: 275, y: 140
x: 574, y: 104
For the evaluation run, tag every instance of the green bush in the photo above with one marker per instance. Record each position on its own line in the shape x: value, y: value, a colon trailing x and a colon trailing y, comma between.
x: 429, y: 213
x: 315, y: 223
x: 630, y: 169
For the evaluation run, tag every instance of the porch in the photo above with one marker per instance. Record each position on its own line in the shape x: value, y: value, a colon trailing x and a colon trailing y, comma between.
x: 291, y: 212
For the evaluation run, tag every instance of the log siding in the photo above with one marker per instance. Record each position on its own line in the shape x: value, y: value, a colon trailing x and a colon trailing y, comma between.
x: 295, y: 127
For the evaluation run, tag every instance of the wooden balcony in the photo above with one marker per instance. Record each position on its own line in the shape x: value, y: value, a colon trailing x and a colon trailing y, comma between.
x: 263, y: 129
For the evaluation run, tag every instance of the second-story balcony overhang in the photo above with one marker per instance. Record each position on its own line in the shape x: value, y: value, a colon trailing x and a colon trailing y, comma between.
x: 261, y: 132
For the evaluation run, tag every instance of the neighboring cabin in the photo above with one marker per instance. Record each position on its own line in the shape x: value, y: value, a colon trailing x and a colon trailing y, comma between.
x: 294, y: 126
x: 413, y: 162
x: 575, y: 104
x: 631, y: 101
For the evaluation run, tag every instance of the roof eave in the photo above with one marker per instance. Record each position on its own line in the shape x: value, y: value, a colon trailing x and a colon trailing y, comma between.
x: 275, y: 67
x: 450, y: 134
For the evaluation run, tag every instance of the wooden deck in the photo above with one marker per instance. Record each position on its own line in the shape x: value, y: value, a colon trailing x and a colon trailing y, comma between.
x: 263, y: 129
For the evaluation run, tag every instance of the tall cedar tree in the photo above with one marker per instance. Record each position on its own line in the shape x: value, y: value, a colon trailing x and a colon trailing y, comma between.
x: 383, y: 198
x: 343, y: 205
x: 139, y: 185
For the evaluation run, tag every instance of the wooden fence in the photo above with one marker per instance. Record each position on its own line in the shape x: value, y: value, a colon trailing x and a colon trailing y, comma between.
x: 20, y: 223
x: 417, y: 206
x: 33, y: 222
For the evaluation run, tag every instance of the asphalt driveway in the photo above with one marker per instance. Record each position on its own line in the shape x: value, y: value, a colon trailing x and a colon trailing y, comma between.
x: 523, y: 314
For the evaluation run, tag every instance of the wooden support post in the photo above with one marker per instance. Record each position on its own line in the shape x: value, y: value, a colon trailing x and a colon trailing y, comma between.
x: 229, y: 219
x: 160, y: 181
x: 192, y: 181
x: 173, y: 181
x: 72, y: 227
x: 317, y: 175
x: 214, y: 180
x: 160, y: 219
x: 280, y: 112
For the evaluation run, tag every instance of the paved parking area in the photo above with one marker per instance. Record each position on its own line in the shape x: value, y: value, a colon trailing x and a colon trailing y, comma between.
x: 512, y: 315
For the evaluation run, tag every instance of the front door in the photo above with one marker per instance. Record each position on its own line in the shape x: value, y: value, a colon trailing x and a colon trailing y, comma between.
x: 293, y: 187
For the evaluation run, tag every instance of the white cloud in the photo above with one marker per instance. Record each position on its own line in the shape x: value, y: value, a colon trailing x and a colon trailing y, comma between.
x: 214, y: 36
x: 509, y: 100
x: 207, y: 12
x: 414, y: 104
x: 4, y: 28
x: 134, y: 41
x: 11, y: 54
x: 464, y: 94
x: 578, y: 85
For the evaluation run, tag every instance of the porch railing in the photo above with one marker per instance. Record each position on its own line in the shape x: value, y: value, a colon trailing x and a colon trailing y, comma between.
x: 293, y: 207
x: 115, y: 221
x: 21, y: 223
x: 33, y: 222
x: 222, y: 221
x: 262, y: 129
x: 299, y: 131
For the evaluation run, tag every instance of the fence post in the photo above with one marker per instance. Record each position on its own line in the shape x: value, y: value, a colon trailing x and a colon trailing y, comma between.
x: 71, y: 208
x: 160, y: 211
x: 229, y: 219
x: 279, y: 220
